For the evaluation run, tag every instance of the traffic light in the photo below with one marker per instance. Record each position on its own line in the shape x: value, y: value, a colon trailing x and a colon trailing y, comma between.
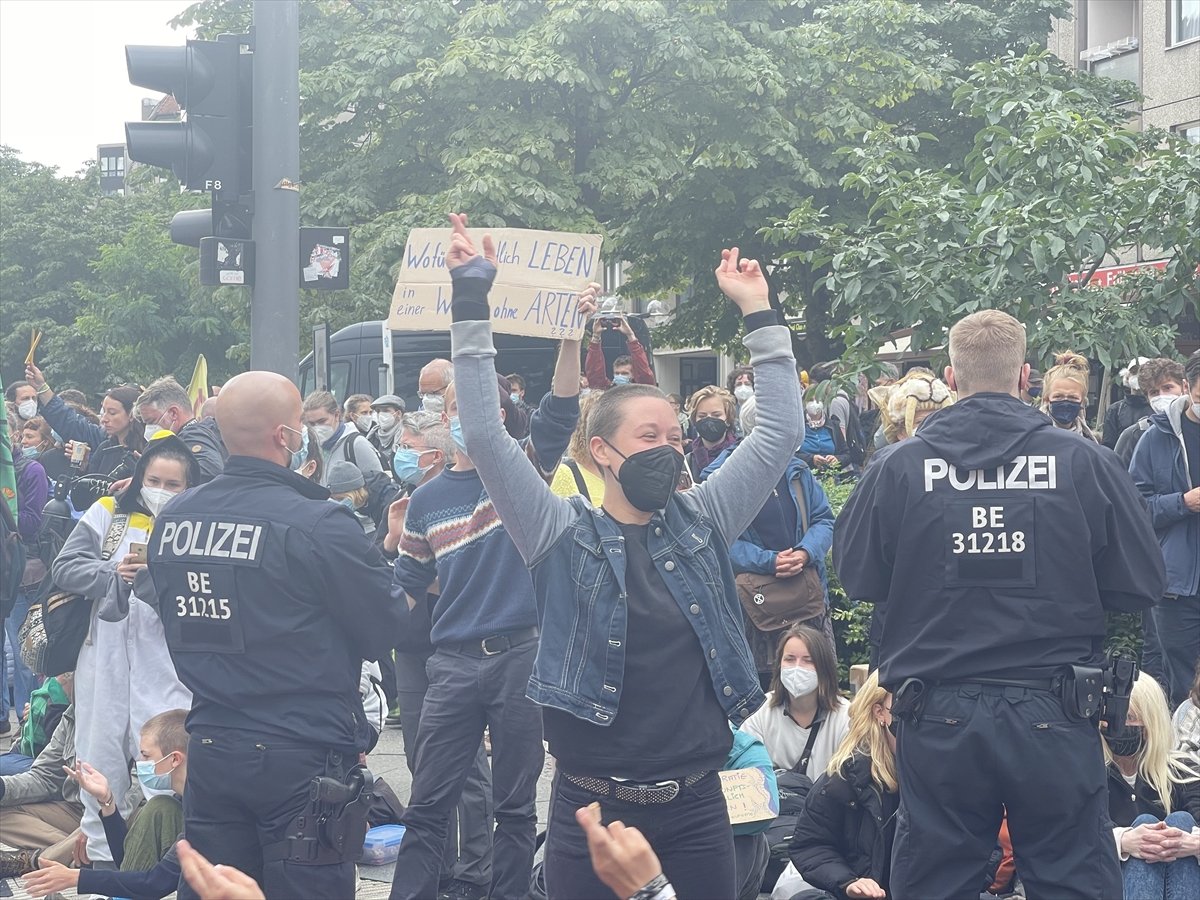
x: 210, y: 149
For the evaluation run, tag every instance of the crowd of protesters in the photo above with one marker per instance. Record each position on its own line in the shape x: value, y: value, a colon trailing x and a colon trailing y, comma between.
x: 612, y: 579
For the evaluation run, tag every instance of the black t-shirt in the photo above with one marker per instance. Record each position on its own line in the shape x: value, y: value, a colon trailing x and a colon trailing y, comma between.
x: 1191, y: 442
x: 669, y: 722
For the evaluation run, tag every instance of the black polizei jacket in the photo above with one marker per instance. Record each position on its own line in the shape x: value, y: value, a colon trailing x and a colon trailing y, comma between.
x: 846, y: 829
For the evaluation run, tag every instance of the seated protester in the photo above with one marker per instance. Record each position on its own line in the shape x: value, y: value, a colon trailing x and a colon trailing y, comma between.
x: 578, y: 473
x: 47, y: 704
x: 1162, y: 381
x: 804, y: 719
x: 37, y: 442
x: 336, y: 438
x: 1186, y: 721
x: 1066, y: 394
x: 147, y: 864
x: 40, y: 808
x: 347, y: 487
x: 1153, y: 800
x: 713, y: 413
x: 794, y: 529
x: 843, y: 840
x: 113, y: 443
x: 824, y: 444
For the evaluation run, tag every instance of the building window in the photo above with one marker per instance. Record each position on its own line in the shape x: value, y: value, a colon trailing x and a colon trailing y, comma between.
x: 1190, y: 132
x: 1183, y: 21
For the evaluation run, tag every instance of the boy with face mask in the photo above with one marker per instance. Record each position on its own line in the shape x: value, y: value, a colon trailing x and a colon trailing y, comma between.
x: 145, y: 853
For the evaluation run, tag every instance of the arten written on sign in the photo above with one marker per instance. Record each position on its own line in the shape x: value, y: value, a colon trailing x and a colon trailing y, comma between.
x: 540, y: 276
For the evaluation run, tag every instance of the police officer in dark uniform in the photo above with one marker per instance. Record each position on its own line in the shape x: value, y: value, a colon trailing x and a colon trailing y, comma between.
x: 995, y: 544
x: 271, y: 597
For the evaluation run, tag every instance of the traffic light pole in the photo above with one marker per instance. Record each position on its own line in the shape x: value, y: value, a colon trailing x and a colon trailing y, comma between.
x: 275, y: 308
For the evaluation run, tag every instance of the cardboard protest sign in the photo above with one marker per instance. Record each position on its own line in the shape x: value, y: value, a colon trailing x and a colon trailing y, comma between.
x: 541, y: 274
x: 747, y: 797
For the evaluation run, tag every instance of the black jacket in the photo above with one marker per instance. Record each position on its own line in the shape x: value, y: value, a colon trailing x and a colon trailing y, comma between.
x: 1121, y: 415
x: 846, y: 829
x: 271, y: 597
x: 204, y: 440
x: 1126, y: 803
x: 996, y: 543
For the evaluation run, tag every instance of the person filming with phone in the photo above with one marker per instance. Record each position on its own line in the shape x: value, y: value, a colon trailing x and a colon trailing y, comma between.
x: 630, y: 368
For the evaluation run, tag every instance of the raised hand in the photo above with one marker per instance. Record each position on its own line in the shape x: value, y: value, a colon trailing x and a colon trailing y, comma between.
x: 89, y: 780
x: 743, y: 282
x: 34, y: 376
x: 622, y: 857
x: 585, y: 305
x: 462, y: 248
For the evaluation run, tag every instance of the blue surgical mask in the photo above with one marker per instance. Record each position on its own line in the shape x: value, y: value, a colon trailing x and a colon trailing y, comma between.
x: 29, y: 452
x: 456, y: 433
x: 621, y: 379
x: 151, y: 779
x: 348, y: 502
x: 514, y: 397
x: 407, y: 464
x: 299, y: 457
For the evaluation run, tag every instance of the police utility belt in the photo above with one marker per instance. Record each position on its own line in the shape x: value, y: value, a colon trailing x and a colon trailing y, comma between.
x: 333, y: 826
x: 1087, y: 692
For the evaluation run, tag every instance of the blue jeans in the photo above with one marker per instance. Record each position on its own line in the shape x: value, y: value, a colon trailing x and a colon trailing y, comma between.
x: 24, y: 680
x: 1177, y: 880
x: 1177, y: 620
x: 14, y: 763
x: 467, y: 692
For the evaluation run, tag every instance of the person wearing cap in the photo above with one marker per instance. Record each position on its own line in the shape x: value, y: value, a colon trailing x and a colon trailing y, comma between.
x: 1127, y: 412
x: 124, y: 674
x: 387, y: 411
x: 348, y: 487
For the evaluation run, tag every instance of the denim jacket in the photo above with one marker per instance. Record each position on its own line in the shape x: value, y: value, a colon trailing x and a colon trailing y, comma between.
x: 576, y: 555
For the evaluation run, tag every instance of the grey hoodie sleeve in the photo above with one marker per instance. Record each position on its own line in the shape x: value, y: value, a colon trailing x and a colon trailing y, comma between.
x: 532, y: 515
x: 733, y: 495
x: 79, y: 569
x: 45, y: 779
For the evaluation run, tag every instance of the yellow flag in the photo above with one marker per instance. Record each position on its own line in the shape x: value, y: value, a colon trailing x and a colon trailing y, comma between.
x: 198, y: 387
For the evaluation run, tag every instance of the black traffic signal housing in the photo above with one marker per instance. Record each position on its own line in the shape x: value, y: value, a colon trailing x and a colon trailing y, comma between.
x: 210, y: 150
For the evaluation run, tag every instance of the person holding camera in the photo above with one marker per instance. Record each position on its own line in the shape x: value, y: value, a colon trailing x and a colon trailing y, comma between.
x: 998, y: 542
x: 630, y: 368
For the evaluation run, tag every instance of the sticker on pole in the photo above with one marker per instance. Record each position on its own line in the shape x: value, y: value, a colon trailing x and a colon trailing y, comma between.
x: 540, y: 277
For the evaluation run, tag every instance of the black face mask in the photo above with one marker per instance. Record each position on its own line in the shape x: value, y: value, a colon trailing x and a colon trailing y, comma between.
x: 649, y: 477
x: 711, y: 429
x: 1127, y: 742
x: 893, y: 725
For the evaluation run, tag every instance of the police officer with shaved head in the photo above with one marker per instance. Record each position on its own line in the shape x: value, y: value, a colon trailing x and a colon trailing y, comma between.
x: 996, y: 543
x: 271, y: 597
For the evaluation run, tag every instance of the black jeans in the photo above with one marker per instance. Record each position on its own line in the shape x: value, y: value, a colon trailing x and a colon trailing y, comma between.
x: 467, y: 692
x: 1177, y: 620
x: 978, y: 750
x: 691, y: 835
x: 243, y: 792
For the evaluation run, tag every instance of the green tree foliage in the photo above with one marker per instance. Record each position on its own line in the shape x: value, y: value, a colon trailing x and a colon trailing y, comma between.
x: 675, y: 127
x: 1053, y: 186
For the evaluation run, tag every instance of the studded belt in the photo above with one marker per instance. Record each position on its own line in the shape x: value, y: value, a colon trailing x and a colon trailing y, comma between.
x: 643, y: 793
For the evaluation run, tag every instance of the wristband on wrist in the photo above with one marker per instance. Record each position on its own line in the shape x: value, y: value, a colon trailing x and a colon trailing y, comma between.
x: 658, y: 888
x: 44, y: 389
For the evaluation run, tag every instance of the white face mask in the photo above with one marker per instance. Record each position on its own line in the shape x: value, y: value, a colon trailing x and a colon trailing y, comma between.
x: 434, y: 403
x: 27, y: 409
x: 323, y: 432
x: 386, y: 420
x: 155, y: 498
x: 364, y: 423
x: 743, y: 392
x: 1162, y: 402
x: 798, y: 680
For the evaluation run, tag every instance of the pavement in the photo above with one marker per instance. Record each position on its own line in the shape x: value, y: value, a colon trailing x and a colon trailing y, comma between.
x: 388, y: 761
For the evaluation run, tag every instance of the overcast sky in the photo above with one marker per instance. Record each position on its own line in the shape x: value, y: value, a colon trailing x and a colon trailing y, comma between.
x: 63, y: 83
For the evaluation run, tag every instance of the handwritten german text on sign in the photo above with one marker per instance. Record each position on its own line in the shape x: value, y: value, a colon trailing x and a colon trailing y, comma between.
x: 747, y: 797
x: 541, y: 274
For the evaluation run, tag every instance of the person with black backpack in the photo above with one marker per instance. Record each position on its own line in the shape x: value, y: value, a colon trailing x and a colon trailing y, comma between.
x: 339, y: 439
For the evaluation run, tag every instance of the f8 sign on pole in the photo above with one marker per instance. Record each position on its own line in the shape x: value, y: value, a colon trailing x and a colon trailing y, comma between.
x: 275, y: 308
